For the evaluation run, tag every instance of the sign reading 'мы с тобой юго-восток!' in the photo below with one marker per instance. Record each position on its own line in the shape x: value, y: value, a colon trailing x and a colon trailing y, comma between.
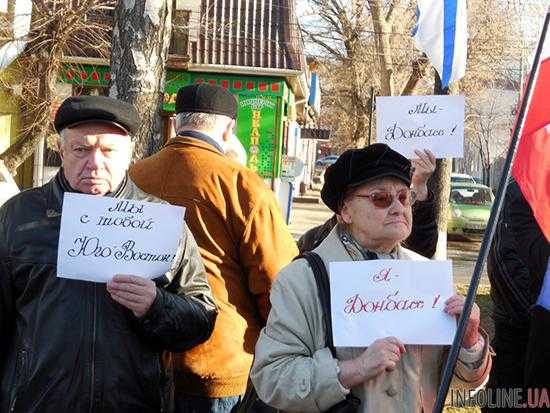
x: 102, y: 236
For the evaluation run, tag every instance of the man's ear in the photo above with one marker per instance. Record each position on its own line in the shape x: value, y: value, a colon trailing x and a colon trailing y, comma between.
x: 131, y: 150
x: 228, y: 132
x: 172, y: 126
x: 59, y: 147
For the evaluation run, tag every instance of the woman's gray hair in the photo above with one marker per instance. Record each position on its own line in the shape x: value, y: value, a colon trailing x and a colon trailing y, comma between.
x: 201, y: 120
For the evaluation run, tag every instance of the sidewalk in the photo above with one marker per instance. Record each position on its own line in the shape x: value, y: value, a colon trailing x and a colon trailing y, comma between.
x: 310, y: 197
x: 307, y: 212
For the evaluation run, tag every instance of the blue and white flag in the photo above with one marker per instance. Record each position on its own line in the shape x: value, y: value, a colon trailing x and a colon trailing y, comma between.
x: 441, y: 32
x: 21, y: 27
x: 314, y: 99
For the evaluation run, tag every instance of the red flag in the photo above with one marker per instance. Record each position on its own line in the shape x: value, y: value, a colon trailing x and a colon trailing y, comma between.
x: 531, y: 167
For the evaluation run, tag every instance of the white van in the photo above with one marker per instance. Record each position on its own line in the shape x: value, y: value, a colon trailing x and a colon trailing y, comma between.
x: 462, y: 178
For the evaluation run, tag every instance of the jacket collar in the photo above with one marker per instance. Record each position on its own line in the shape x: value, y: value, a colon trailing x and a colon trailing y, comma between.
x: 187, y: 141
x: 332, y: 249
x: 202, y: 137
x: 65, y: 186
x: 60, y: 185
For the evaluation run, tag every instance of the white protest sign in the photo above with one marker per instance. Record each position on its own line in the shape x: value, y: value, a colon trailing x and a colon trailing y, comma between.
x: 399, y: 298
x: 406, y: 123
x: 103, y: 236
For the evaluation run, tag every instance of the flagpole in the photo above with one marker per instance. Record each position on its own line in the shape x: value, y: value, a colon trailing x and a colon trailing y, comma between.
x: 489, y: 232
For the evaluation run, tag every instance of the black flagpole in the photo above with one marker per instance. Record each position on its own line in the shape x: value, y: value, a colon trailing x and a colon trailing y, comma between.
x: 495, y: 211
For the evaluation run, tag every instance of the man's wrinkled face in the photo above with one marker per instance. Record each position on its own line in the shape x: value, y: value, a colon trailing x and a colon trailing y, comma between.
x: 95, y: 156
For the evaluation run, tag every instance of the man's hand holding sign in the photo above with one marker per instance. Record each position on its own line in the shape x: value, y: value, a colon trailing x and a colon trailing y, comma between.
x: 124, y: 243
x: 133, y: 292
x: 59, y: 240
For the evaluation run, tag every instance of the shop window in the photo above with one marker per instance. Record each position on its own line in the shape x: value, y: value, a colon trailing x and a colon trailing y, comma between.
x: 179, y: 41
x: 52, y: 158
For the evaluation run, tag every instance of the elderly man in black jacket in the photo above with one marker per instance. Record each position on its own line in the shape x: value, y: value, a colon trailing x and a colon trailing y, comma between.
x: 76, y: 346
x: 423, y: 238
x: 510, y: 292
x: 534, y: 250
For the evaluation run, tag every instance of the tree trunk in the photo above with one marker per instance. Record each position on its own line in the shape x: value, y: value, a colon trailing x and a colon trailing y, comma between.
x: 35, y: 111
x: 488, y: 183
x: 440, y: 184
x: 141, y: 37
x: 382, y: 31
x: 360, y: 135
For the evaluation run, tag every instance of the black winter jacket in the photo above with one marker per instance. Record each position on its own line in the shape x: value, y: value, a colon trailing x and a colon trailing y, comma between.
x: 66, y: 346
x: 533, y: 247
x: 534, y: 250
x: 509, y: 275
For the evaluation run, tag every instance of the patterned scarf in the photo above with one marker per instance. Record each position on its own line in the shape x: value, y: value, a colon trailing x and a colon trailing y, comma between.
x: 355, y: 250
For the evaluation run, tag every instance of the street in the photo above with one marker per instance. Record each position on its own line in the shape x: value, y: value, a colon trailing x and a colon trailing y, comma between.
x: 309, y: 211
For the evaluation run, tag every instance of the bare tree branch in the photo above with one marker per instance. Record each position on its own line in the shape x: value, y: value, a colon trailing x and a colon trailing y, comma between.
x: 57, y: 28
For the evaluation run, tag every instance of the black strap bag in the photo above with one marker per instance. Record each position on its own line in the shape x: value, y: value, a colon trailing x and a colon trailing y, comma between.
x: 251, y: 403
x: 351, y: 403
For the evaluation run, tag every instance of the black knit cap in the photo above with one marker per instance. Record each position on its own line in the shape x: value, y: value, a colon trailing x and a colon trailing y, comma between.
x: 206, y: 98
x: 356, y: 167
x: 81, y: 109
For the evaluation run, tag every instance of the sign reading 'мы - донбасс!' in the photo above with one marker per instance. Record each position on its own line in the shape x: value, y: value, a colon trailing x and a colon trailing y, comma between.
x: 406, y: 123
x: 102, y: 236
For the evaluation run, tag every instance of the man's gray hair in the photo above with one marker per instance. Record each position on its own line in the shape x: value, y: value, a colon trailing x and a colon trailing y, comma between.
x: 62, y: 138
x: 201, y: 120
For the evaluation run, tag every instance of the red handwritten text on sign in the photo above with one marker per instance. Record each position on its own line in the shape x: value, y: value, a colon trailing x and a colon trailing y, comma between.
x: 383, y: 275
x: 357, y: 304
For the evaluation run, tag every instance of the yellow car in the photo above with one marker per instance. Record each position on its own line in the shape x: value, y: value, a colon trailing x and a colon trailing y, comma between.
x: 469, y: 209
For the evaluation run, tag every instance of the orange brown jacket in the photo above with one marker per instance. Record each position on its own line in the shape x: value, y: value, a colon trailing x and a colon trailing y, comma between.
x: 244, y: 242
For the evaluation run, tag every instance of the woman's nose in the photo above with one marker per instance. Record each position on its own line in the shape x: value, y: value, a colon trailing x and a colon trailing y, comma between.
x: 396, y: 206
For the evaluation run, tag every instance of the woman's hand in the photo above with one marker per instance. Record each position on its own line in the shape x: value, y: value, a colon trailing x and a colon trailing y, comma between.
x: 424, y: 167
x: 382, y: 355
x: 455, y: 306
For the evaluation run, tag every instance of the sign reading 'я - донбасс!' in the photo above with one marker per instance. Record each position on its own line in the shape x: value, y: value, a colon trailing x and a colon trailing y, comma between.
x: 102, y: 236
x: 406, y: 123
x: 391, y: 298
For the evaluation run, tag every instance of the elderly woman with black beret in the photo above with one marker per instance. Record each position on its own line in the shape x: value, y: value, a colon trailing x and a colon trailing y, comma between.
x: 294, y: 370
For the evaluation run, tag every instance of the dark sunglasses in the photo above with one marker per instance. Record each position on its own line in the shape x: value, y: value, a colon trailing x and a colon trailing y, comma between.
x: 384, y: 199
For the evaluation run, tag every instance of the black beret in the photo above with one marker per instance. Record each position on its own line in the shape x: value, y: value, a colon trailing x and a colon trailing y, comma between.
x: 80, y: 109
x: 206, y: 99
x: 358, y: 166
